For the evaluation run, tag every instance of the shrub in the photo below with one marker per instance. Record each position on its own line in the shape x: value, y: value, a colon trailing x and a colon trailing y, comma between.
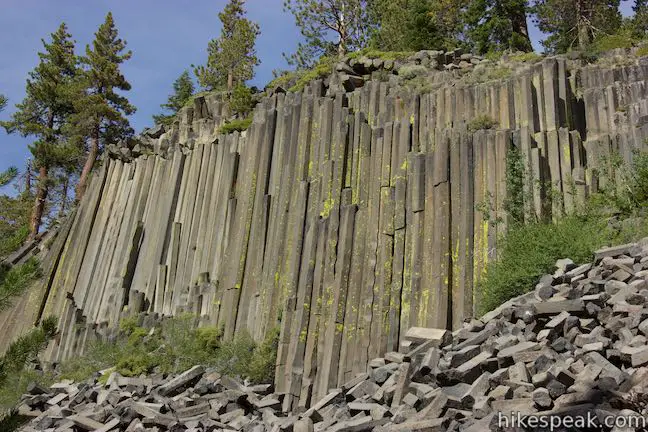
x: 238, y: 125
x: 14, y: 241
x: 409, y: 72
x: 234, y: 356
x: 528, y: 57
x: 242, y: 100
x: 208, y: 338
x: 322, y: 69
x: 482, y: 121
x: 642, y: 51
x: 262, y: 364
x: 15, y: 280
x: 14, y: 374
x: 482, y: 73
x: 383, y: 55
x: 637, y: 180
x: 175, y: 346
x: 613, y: 216
x: 614, y: 41
x: 529, y: 251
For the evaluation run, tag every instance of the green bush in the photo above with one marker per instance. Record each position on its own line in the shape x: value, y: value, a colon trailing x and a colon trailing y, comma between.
x: 383, y: 55
x: 410, y: 72
x: 242, y: 100
x: 297, y: 80
x: 485, y: 73
x: 175, y: 346
x: 482, y: 121
x: 528, y: 57
x: 614, y: 41
x: 613, y: 216
x: 13, y: 242
x: 238, y: 125
x: 642, y: 51
x: 637, y: 180
x: 15, y: 280
x: 15, y: 376
x: 234, y: 356
x: 262, y: 364
x: 322, y: 69
x: 529, y: 251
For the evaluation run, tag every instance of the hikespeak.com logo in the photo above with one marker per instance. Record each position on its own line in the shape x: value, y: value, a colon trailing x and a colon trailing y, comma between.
x: 585, y: 421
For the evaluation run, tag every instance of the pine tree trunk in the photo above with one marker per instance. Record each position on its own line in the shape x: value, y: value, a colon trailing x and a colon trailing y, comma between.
x: 39, y: 203
x: 582, y: 25
x: 520, y: 27
x: 28, y: 176
x: 230, y: 81
x: 89, y: 164
x: 64, y: 198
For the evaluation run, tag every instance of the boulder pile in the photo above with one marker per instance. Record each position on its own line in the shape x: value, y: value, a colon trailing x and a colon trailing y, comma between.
x: 572, y: 353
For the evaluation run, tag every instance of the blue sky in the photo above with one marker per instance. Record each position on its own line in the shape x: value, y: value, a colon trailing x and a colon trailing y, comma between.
x: 166, y: 37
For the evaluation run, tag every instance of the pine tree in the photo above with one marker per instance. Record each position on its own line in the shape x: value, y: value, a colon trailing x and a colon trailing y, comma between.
x: 575, y: 23
x: 183, y: 89
x: 348, y: 21
x: 8, y: 175
x: 3, y: 102
x: 101, y: 111
x: 639, y: 21
x: 44, y: 112
x: 232, y: 57
x: 406, y: 25
x: 495, y: 26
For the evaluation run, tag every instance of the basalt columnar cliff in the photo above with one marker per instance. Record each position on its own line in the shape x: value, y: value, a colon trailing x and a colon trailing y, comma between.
x: 345, y: 214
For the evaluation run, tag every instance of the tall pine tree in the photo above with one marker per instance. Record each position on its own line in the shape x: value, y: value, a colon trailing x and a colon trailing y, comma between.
x: 3, y: 102
x: 639, y: 20
x: 101, y: 111
x: 329, y: 27
x: 494, y: 26
x: 406, y: 25
x: 183, y: 89
x: 232, y: 57
x: 44, y: 112
x: 575, y: 23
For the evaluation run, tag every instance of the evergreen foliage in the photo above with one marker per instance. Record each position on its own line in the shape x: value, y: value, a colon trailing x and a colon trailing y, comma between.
x: 26, y: 348
x: 8, y: 175
x: 15, y: 280
x: 528, y: 251
x: 574, y: 24
x: 242, y: 100
x: 232, y: 57
x: 14, y: 217
x: 498, y: 25
x: 183, y: 90
x: 639, y: 22
x: 3, y: 102
x: 329, y: 27
x: 407, y: 25
x: 238, y: 125
x: 44, y: 113
x: 174, y: 346
x: 100, y: 110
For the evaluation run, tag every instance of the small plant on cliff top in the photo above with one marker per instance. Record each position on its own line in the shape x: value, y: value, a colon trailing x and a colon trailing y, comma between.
x: 482, y: 121
x: 238, y: 125
x: 242, y: 100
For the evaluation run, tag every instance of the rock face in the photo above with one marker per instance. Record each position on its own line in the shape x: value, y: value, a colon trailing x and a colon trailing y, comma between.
x: 353, y: 216
x: 581, y: 350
